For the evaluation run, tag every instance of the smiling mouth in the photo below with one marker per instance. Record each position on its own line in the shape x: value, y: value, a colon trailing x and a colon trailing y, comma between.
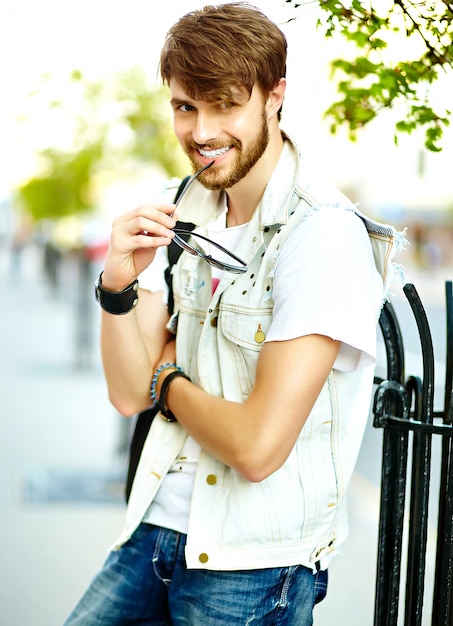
x: 212, y: 154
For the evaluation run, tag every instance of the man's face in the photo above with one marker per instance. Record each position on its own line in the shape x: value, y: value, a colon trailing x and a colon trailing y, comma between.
x: 234, y: 133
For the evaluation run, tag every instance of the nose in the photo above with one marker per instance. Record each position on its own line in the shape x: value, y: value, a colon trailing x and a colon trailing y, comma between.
x: 206, y: 128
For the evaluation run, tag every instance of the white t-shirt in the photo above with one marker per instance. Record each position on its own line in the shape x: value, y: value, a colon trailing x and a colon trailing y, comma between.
x: 321, y: 286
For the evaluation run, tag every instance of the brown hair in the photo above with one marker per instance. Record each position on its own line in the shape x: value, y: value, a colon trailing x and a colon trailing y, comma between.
x: 217, y: 48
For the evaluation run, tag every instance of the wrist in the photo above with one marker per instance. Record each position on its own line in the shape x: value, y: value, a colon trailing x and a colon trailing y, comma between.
x: 114, y: 285
x: 159, y: 377
x: 160, y: 384
x: 116, y: 302
x: 160, y: 381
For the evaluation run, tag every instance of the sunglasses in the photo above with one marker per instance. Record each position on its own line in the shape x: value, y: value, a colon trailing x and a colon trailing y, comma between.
x: 238, y: 267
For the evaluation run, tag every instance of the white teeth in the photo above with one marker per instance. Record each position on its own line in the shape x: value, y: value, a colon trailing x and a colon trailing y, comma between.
x: 212, y: 154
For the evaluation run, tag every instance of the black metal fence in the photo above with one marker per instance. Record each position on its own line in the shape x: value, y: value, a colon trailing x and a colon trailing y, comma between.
x: 405, y: 406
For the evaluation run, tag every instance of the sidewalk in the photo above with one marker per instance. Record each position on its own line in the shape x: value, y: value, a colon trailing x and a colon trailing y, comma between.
x: 61, y: 468
x: 52, y: 417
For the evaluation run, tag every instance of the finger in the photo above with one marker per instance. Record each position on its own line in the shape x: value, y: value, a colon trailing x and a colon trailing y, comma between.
x: 154, y: 231
x: 163, y: 214
x: 146, y: 240
x: 139, y: 224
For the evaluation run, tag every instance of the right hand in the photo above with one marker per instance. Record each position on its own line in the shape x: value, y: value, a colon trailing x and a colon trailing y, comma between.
x: 135, y: 237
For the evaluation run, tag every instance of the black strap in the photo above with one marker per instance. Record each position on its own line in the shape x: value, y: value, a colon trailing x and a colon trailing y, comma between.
x: 162, y: 402
x: 142, y: 425
x: 174, y: 251
x: 145, y: 418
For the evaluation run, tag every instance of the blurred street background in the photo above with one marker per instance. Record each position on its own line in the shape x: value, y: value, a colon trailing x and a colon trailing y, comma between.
x: 63, y: 447
x: 85, y: 134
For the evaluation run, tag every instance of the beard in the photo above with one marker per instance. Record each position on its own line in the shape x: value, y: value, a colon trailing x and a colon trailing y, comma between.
x: 214, y: 178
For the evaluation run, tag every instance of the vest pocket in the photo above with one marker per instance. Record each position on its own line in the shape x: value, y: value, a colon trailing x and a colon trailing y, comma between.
x: 244, y: 332
x: 247, y: 328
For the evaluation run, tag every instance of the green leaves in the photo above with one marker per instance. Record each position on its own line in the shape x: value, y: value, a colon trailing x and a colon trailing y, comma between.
x: 379, y: 73
x: 106, y: 127
x: 424, y: 116
x: 66, y: 187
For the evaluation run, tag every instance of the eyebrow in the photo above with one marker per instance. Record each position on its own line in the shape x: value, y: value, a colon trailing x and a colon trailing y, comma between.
x: 237, y: 95
x: 178, y: 101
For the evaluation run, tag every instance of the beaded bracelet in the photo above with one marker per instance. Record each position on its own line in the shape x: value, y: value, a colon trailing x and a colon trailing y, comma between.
x: 157, y: 373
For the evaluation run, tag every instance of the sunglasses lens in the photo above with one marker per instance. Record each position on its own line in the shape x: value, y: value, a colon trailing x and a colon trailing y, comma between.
x: 226, y: 267
x: 185, y: 246
x: 234, y: 269
x: 221, y: 265
x: 217, y: 264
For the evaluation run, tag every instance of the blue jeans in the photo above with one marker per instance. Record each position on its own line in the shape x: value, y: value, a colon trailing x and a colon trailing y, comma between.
x: 147, y: 582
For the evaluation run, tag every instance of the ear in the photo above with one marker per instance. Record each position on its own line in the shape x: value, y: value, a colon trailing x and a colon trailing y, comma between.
x: 276, y: 97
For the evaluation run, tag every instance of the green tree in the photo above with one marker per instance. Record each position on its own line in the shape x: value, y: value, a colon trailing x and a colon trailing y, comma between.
x: 108, y: 126
x: 371, y: 80
x: 65, y: 189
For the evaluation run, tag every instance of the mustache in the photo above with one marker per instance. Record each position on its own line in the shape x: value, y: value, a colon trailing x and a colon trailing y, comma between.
x: 214, y: 145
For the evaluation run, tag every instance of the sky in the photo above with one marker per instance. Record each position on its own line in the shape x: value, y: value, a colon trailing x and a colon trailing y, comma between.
x: 101, y: 37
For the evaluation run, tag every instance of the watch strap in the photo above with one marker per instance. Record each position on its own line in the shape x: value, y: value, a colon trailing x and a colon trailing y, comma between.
x: 117, y: 302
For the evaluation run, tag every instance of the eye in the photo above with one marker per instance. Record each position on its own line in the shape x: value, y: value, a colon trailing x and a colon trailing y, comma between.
x: 186, y: 108
x: 225, y: 105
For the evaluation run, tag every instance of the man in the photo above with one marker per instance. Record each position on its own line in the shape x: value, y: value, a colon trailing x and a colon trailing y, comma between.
x: 264, y: 372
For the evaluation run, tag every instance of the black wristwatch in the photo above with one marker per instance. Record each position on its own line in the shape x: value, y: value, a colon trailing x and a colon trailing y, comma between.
x: 116, y: 302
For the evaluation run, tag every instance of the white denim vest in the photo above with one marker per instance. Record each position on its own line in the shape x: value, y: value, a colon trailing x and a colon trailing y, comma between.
x: 298, y: 514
